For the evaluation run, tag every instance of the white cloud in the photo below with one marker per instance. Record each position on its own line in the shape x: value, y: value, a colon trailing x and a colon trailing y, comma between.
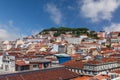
x: 112, y: 27
x: 97, y: 10
x: 54, y: 12
x: 3, y: 33
x: 8, y: 31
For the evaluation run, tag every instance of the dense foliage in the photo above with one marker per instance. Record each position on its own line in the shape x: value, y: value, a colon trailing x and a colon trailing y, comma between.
x: 74, y: 31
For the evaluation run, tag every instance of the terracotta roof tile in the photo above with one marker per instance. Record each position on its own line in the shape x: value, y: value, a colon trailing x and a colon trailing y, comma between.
x: 74, y: 64
x: 116, y: 71
x: 83, y: 78
x: 101, y: 77
x: 47, y: 74
x: 21, y: 63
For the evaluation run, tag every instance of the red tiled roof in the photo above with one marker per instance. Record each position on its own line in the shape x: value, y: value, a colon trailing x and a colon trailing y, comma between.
x: 15, y: 49
x: 21, y: 63
x: 53, y: 52
x: 90, y: 43
x: 1, y: 54
x: 101, y: 77
x: 80, y: 64
x: 16, y: 54
x: 98, y: 77
x: 104, y: 60
x: 83, y: 78
x: 116, y: 71
x: 75, y: 56
x: 93, y: 62
x: 48, y: 74
x: 74, y: 64
x: 115, y: 33
x: 104, y: 49
x: 115, y: 55
x: 43, y: 53
x: 109, y: 59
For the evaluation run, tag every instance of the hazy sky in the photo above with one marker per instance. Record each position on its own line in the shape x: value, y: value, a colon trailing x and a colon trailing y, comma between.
x: 25, y: 17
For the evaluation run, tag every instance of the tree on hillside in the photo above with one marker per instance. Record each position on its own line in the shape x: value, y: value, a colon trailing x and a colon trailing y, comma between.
x: 56, y: 34
x: 53, y: 29
x: 63, y: 30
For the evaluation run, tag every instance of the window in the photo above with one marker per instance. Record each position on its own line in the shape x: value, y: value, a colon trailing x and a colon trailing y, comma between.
x: 34, y: 66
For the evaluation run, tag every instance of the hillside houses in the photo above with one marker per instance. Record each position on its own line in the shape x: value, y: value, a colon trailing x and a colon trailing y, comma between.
x: 82, y: 55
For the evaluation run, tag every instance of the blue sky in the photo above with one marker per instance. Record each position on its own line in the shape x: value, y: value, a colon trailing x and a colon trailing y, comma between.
x: 20, y: 18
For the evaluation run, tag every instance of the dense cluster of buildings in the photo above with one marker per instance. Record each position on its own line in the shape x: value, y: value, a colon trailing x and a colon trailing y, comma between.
x: 83, y: 57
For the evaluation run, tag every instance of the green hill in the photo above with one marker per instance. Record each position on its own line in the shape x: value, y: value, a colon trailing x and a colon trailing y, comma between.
x: 65, y: 30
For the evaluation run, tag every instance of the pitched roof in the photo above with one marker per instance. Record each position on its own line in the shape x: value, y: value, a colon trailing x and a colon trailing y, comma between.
x: 98, y: 77
x: 21, y: 63
x: 104, y: 60
x: 74, y: 64
x: 101, y: 77
x: 116, y: 71
x: 47, y: 74
x: 80, y: 63
x: 83, y: 78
